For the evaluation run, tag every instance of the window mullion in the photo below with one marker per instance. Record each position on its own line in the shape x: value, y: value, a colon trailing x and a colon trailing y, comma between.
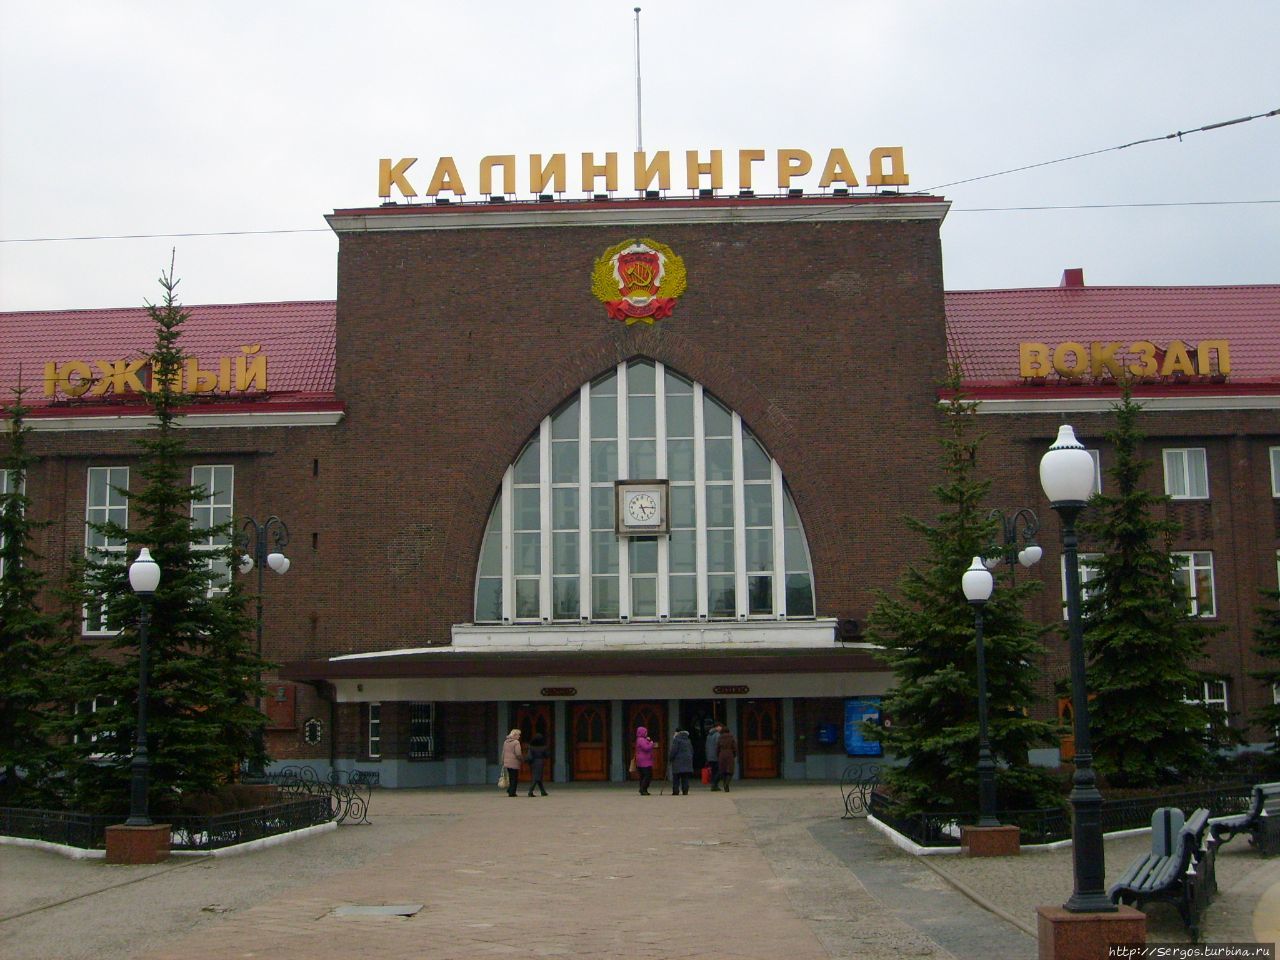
x: 660, y: 441
x: 700, y: 500
x: 741, y: 601
x: 508, y: 541
x: 624, y: 473
x: 584, y: 502
x: 544, y: 520
x: 779, y: 542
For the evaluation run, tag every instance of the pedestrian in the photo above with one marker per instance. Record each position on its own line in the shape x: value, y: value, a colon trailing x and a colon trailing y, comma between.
x: 511, y: 758
x: 726, y: 757
x: 644, y: 759
x: 713, y: 737
x: 681, y: 760
x: 537, y: 761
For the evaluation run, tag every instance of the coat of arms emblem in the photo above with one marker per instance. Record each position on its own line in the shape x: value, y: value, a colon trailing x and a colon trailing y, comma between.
x: 638, y: 280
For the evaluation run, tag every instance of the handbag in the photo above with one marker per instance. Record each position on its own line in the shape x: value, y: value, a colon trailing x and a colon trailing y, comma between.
x: 632, y: 768
x: 503, y: 782
x: 706, y: 775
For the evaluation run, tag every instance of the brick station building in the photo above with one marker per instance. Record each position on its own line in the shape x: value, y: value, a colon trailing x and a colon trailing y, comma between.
x: 580, y: 466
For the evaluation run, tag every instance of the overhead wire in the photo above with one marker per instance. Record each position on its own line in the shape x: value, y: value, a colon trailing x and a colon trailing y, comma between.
x: 1177, y: 134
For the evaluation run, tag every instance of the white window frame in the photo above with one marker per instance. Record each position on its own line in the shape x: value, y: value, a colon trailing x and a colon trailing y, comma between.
x: 92, y: 706
x: 1275, y: 471
x: 621, y: 436
x: 209, y: 504
x: 1210, y: 688
x: 1192, y: 561
x: 100, y: 514
x: 1192, y: 465
x: 5, y: 482
x: 1088, y: 573
x: 374, y: 730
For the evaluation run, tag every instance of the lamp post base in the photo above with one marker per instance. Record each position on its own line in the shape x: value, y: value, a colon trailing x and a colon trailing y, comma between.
x: 149, y: 844
x: 1064, y: 935
x: 1002, y: 841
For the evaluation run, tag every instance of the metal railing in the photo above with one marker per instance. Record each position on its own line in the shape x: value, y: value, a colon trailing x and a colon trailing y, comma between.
x: 87, y: 831
x: 1051, y: 824
x: 347, y: 793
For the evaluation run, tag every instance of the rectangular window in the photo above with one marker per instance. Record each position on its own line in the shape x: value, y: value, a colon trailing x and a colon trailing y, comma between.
x: 1275, y: 471
x: 92, y: 707
x: 422, y: 731
x: 1213, y: 696
x: 1087, y: 563
x: 106, y: 502
x: 1194, y: 573
x: 1097, y: 471
x: 5, y: 487
x: 1186, y: 473
x: 210, y: 512
x: 375, y: 731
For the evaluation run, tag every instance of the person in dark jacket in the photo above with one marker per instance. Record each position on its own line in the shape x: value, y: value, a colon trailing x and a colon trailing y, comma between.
x: 537, y: 757
x: 681, y: 760
x: 726, y: 757
x: 713, y: 738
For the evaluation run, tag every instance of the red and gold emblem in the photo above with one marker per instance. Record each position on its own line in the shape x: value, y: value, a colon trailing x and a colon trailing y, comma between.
x: 638, y: 280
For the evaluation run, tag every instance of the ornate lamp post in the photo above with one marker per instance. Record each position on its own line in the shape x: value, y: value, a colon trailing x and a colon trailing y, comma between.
x: 253, y: 540
x: 1029, y: 553
x: 144, y: 577
x: 977, y: 583
x: 1066, y: 474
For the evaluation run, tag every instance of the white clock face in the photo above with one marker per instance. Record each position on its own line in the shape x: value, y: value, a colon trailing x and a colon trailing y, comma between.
x: 642, y: 508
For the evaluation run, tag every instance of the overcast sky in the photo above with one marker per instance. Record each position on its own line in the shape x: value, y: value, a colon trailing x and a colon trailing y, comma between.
x: 187, y: 118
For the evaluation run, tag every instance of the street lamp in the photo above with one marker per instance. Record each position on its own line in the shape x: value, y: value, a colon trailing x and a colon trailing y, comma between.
x: 144, y: 577
x: 1009, y: 551
x: 254, y: 538
x: 977, y: 583
x: 1066, y: 474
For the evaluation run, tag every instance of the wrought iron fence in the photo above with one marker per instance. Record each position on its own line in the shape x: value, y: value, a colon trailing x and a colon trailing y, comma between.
x: 87, y: 831
x: 856, y: 784
x: 84, y: 830
x: 942, y: 829
x: 347, y: 793
x: 242, y: 826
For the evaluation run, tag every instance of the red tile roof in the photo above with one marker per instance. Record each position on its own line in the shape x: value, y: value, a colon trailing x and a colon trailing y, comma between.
x: 985, y: 327
x: 298, y: 340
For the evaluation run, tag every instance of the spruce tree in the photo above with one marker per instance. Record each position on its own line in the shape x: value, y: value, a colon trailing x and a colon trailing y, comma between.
x: 32, y: 641
x: 927, y: 637
x: 204, y: 671
x: 1146, y: 718
x: 1266, y: 637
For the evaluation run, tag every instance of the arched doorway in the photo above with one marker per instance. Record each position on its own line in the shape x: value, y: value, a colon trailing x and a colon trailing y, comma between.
x: 531, y: 719
x: 651, y: 716
x: 589, y: 741
x: 761, y: 739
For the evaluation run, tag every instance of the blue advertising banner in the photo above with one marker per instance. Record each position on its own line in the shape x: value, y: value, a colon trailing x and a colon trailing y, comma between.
x: 857, y: 710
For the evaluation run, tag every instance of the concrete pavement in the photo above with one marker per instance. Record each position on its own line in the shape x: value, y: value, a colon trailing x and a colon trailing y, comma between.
x: 766, y: 871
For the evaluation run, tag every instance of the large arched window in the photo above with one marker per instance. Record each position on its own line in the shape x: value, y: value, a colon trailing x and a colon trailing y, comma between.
x: 736, y: 549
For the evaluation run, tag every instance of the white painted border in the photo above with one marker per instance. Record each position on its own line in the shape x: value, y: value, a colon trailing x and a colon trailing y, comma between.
x: 79, y: 853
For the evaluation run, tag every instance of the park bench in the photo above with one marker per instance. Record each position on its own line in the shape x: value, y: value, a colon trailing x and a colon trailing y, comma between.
x: 1178, y: 870
x: 1261, y: 820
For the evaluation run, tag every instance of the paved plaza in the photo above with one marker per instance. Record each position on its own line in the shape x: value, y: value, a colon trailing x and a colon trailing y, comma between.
x: 767, y: 871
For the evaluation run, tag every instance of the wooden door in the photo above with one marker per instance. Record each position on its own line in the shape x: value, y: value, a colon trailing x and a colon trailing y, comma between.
x: 589, y: 740
x: 531, y: 719
x: 652, y: 717
x: 761, y: 739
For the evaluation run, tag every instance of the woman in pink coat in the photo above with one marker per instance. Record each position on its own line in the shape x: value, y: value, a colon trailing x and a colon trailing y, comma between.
x: 644, y: 759
x: 511, y: 757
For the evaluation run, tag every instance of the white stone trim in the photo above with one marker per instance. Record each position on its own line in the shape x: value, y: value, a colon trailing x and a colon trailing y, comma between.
x: 190, y: 421
x: 1054, y: 405
x: 622, y: 213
